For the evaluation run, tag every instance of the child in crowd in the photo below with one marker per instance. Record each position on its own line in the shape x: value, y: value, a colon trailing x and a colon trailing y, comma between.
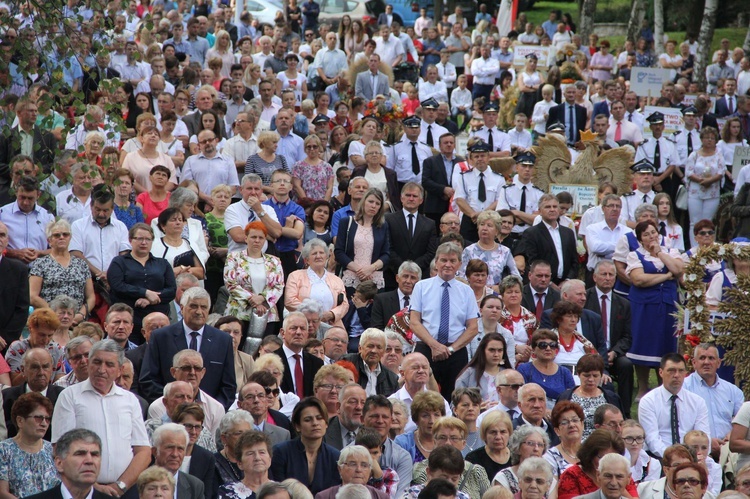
x: 699, y: 442
x: 461, y: 103
x: 541, y: 111
x: 520, y: 138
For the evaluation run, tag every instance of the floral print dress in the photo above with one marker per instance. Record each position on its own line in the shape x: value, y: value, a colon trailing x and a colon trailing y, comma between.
x: 27, y: 474
x: 238, y: 281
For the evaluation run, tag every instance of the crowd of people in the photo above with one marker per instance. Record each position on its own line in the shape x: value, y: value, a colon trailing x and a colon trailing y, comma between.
x: 253, y: 263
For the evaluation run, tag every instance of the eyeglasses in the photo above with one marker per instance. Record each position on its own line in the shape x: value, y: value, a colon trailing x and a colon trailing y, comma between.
x: 39, y: 418
x: 568, y: 422
x: 514, y: 386
x: 143, y: 239
x: 58, y: 235
x: 454, y: 439
x: 706, y: 233
x: 614, y: 424
x: 309, y: 35
x: 311, y: 146
x: 694, y: 482
x: 328, y: 386
x: 544, y: 345
x: 337, y: 340
x: 187, y: 369
x: 530, y: 480
x: 634, y: 440
x: 352, y: 464
x: 240, y: 121
x: 206, y: 141
x: 744, y: 484
x: 275, y: 391
x: 373, y: 153
x: 193, y: 427
x: 534, y: 444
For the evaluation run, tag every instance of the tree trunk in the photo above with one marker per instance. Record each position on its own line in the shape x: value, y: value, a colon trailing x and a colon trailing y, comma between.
x: 637, y: 13
x: 705, y: 36
x: 746, y: 45
x: 586, y: 24
x: 658, y: 26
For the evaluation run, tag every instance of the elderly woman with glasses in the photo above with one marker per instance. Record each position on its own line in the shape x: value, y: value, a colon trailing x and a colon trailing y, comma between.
x: 704, y: 233
x: 231, y: 428
x: 535, y: 479
x: 93, y: 144
x: 378, y: 175
x: 567, y: 421
x: 355, y: 465
x: 525, y: 442
x: 495, y: 430
x: 194, y: 231
x: 199, y: 459
x: 65, y: 308
x: 690, y: 481
x: 60, y: 273
x: 328, y: 384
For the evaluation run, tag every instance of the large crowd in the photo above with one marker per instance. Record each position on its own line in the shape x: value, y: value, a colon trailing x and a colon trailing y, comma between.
x: 263, y: 260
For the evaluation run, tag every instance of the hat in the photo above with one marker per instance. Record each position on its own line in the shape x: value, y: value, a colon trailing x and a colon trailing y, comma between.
x: 492, y: 107
x: 643, y: 166
x: 480, y: 146
x: 430, y: 104
x: 689, y: 111
x: 525, y: 158
x: 556, y: 127
x: 532, y: 56
x: 412, y: 122
x: 655, y: 118
x: 321, y: 119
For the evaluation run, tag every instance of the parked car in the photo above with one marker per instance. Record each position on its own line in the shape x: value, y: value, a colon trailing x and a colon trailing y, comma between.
x: 331, y: 11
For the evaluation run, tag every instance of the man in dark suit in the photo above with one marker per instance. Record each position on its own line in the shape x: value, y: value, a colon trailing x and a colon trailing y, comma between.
x: 170, y: 442
x: 705, y: 118
x: 615, y: 313
x: 214, y: 345
x: 726, y: 105
x: 532, y: 402
x: 387, y: 304
x: 437, y: 172
x: 551, y: 242
x: 371, y: 350
x: 299, y: 367
x: 95, y: 74
x: 386, y: 18
x: 269, y: 384
x: 604, y: 107
x: 152, y: 322
x: 37, y: 370
x: 252, y: 398
x: 14, y: 294
x: 203, y: 102
x: 78, y: 460
x: 413, y: 236
x: 540, y: 275
x: 570, y: 114
x: 342, y: 429
x: 43, y: 144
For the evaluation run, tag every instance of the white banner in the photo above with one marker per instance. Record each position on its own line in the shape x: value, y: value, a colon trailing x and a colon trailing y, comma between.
x: 646, y: 82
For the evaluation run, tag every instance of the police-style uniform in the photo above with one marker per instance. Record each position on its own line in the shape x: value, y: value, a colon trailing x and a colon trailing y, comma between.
x: 498, y: 140
x: 467, y: 186
x: 433, y: 129
x: 402, y: 155
x: 662, y: 153
x: 633, y: 200
x: 687, y: 141
x: 520, y: 196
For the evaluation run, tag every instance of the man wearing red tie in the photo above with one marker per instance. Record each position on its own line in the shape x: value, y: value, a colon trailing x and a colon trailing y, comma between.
x: 538, y: 296
x: 620, y: 128
x: 300, y: 367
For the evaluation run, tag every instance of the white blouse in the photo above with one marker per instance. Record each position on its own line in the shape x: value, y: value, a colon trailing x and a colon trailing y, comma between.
x: 635, y: 263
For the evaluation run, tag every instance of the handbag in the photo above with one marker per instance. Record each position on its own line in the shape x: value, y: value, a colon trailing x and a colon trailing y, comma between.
x: 681, y: 201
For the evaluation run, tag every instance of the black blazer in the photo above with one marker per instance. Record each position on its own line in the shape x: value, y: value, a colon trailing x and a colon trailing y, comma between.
x: 383, y: 19
x: 289, y: 461
x: 14, y: 298
x: 44, y: 145
x: 333, y: 434
x: 391, y: 180
x: 311, y: 365
x: 553, y: 438
x: 557, y: 113
x: 135, y: 356
x: 10, y: 395
x: 387, y: 382
x: 218, y: 359
x: 93, y: 77
x: 599, y: 108
x: 419, y: 248
x: 344, y: 249
x: 56, y: 493
x: 528, y: 300
x: 384, y: 307
x: 591, y: 325
x: 709, y: 119
x: 434, y: 180
x: 202, y: 464
x: 620, y: 337
x: 364, y: 314
x: 536, y: 244
x: 189, y: 487
x: 280, y: 420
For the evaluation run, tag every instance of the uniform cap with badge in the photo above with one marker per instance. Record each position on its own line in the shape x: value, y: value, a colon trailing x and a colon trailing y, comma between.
x: 655, y: 118
x: 321, y: 119
x: 412, y: 122
x: 430, y: 104
x: 643, y: 166
x: 525, y: 158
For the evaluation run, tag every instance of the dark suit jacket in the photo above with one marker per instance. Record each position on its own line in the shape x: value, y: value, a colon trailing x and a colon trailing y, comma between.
x: 93, y: 77
x: 620, y: 337
x: 536, y: 244
x: 559, y: 112
x: 591, y: 325
x: 280, y: 420
x: 419, y: 248
x: 344, y: 249
x: 311, y: 364
x: 56, y: 493
x: 218, y: 360
x: 553, y: 438
x: 193, y: 123
x: 44, y: 145
x: 14, y: 298
x: 394, y: 195
x: 709, y: 119
x: 599, y: 108
x: 721, y: 108
x: 450, y: 125
x: 528, y: 301
x: 10, y: 395
x: 333, y: 434
x: 189, y: 487
x: 202, y: 464
x: 383, y: 19
x: 136, y: 357
x: 387, y: 383
x: 434, y: 180
x: 384, y: 307
x: 289, y: 461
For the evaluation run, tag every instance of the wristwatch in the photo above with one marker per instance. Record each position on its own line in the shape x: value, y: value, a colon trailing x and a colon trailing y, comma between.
x: 262, y: 214
x: 121, y: 485
x: 451, y: 350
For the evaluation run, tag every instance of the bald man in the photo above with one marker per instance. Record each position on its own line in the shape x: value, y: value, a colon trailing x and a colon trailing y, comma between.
x: 416, y: 370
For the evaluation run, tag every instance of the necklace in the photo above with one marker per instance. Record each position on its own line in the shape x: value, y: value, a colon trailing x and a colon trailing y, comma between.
x: 419, y: 441
x: 565, y: 452
x: 568, y: 347
x: 471, y: 443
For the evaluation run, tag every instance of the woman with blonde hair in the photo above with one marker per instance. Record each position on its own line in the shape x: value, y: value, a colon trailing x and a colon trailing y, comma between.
x: 328, y: 384
x: 272, y: 365
x: 155, y: 482
x: 222, y: 49
x: 495, y: 431
x: 426, y: 408
x: 251, y: 78
x: 266, y: 161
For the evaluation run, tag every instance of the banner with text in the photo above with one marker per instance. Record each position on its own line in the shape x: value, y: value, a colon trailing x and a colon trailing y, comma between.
x: 646, y: 82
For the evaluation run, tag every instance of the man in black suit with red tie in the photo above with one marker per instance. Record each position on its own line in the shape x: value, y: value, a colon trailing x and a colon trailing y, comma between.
x: 300, y: 367
x: 570, y: 114
x: 615, y: 314
x: 538, y: 289
x: 437, y: 172
x: 413, y: 236
x: 387, y: 304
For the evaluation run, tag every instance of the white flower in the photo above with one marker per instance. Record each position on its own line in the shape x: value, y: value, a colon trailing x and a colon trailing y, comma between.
x: 698, y: 293
x: 692, y: 277
x: 703, y: 262
x: 699, y: 326
x: 737, y: 251
x: 722, y: 251
x: 699, y: 309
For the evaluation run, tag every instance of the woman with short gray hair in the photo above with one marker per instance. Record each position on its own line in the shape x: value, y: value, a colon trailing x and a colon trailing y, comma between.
x: 534, y: 478
x: 525, y: 442
x: 185, y: 200
x: 378, y: 175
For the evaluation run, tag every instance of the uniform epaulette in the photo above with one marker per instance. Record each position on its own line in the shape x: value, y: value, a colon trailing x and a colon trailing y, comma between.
x: 508, y: 185
x: 537, y: 188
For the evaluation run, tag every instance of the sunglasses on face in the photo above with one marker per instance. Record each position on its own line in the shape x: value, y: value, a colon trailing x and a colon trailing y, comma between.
x: 544, y: 345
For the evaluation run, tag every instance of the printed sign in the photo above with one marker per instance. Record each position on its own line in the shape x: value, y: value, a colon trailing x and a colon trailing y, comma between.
x: 521, y: 51
x: 672, y: 119
x: 741, y: 159
x: 584, y: 197
x: 646, y: 82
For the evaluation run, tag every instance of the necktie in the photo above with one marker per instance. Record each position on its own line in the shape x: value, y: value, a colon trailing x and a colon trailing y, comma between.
x: 193, y: 341
x: 429, y: 136
x: 411, y: 225
x: 350, y: 435
x: 406, y: 301
x: 674, y: 422
x: 657, y: 156
x: 618, y: 132
x: 490, y: 140
x: 523, y: 199
x: 539, y: 307
x: 445, y: 315
x: 604, y: 316
x: 630, y: 117
x: 482, y: 190
x: 512, y: 414
x: 663, y: 229
x: 414, y: 159
x: 298, y: 378
x: 645, y: 198
x: 251, y: 216
x: 571, y: 125
x: 690, y: 143
x: 730, y: 107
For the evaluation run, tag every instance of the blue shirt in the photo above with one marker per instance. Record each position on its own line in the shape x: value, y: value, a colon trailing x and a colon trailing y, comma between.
x: 344, y: 212
x: 26, y: 230
x: 550, y: 27
x: 182, y: 46
x: 427, y: 298
x: 723, y: 400
x: 483, y: 17
x: 283, y: 210
x: 292, y: 147
x: 448, y: 163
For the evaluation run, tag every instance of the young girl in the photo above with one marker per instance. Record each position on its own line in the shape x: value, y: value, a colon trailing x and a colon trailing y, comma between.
x: 731, y: 137
x: 643, y: 468
x: 478, y: 111
x: 541, y: 111
x: 699, y: 442
x: 668, y: 226
x: 411, y: 103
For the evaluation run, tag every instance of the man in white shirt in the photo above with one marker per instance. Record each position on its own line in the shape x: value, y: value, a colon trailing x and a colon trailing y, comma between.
x: 743, y: 76
x: 602, y: 237
x: 620, y: 128
x: 507, y: 383
x: 484, y: 69
x: 244, y: 142
x: 497, y: 140
x: 209, y: 168
x: 528, y: 37
x: 430, y: 131
x: 643, y: 194
x: 667, y: 413
x: 249, y: 209
x: 631, y: 110
x: 416, y: 372
x: 133, y: 70
x: 99, y: 405
x: 389, y: 48
x: 26, y: 222
x: 431, y: 88
x: 661, y: 152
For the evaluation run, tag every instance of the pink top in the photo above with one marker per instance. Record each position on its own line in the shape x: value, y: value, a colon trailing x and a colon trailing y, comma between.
x: 152, y: 209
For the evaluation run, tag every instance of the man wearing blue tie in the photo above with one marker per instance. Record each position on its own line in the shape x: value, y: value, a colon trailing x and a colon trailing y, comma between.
x: 444, y: 316
x: 569, y: 113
